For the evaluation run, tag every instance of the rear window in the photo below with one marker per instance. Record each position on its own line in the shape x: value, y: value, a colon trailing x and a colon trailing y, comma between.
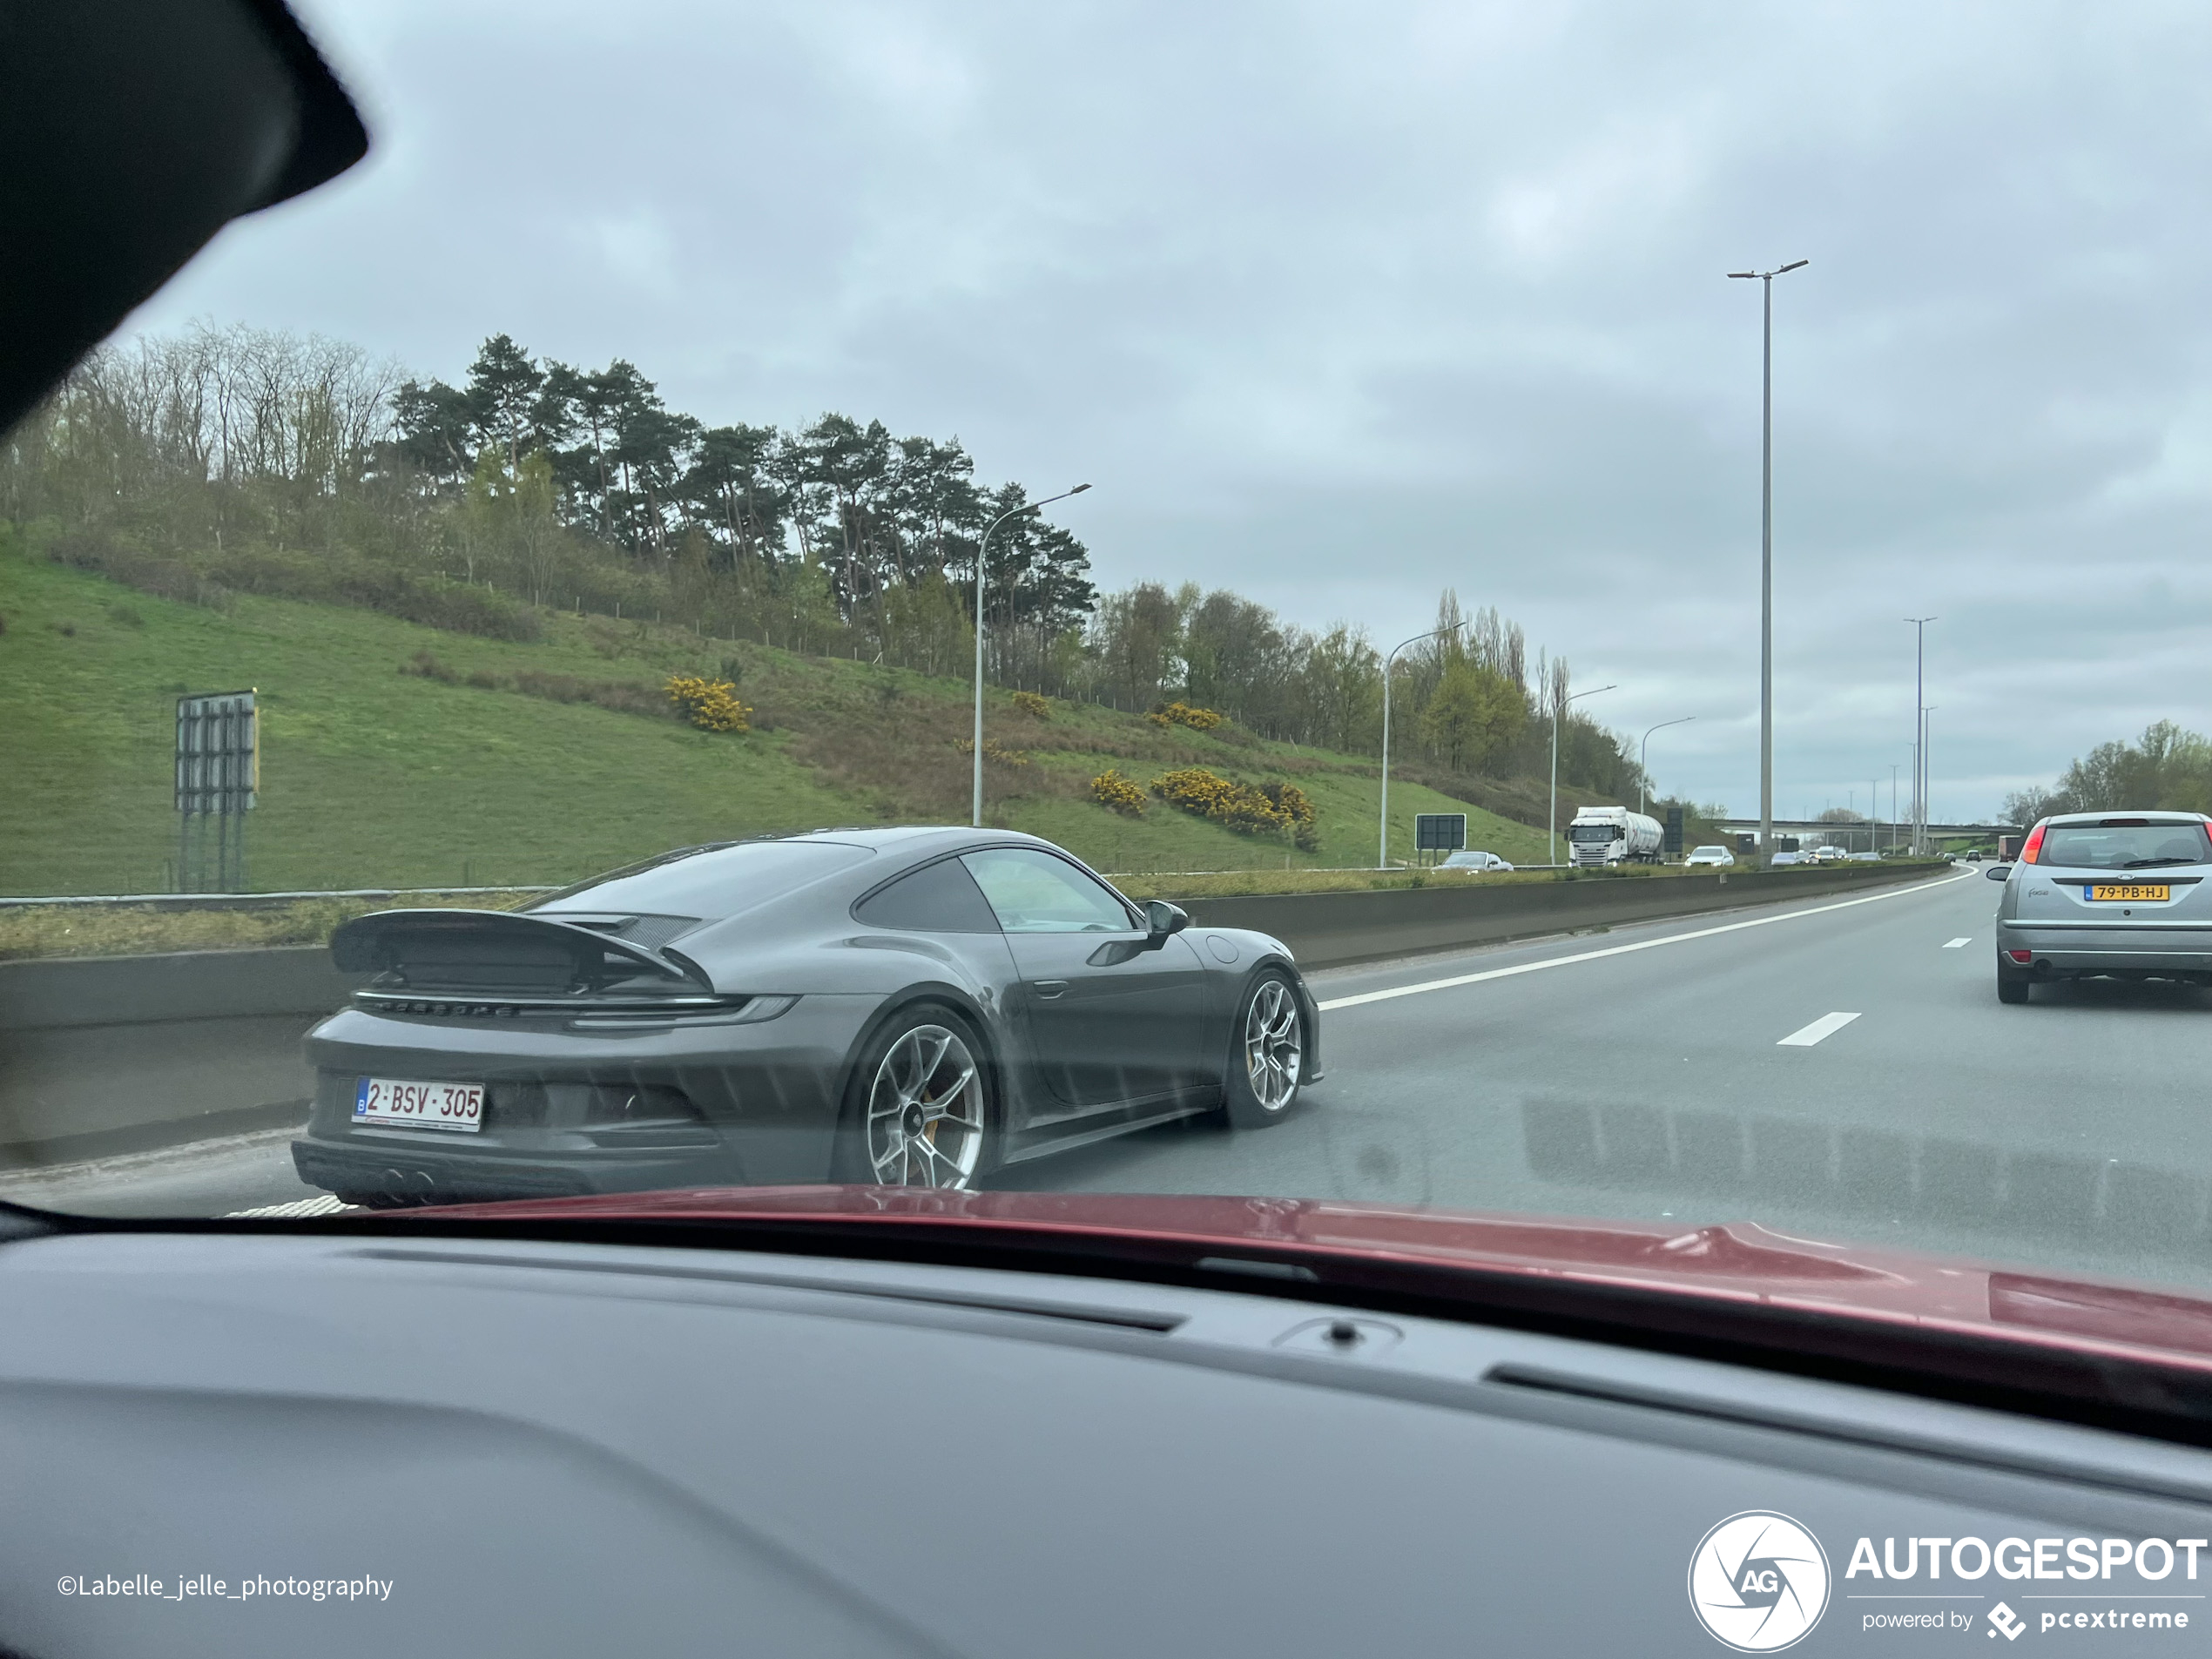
x: 2124, y: 847
x: 940, y: 898
x: 714, y: 883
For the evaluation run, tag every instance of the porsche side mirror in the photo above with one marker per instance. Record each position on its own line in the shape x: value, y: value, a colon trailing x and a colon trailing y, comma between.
x: 1162, y: 919
x: 1997, y: 871
x: 131, y: 132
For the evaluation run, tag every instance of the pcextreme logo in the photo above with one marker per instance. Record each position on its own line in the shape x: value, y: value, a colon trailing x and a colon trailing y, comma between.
x: 1759, y: 1582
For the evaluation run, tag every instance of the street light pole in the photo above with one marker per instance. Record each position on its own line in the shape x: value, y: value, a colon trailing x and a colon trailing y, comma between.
x: 1766, y: 550
x: 984, y: 548
x: 1892, y: 806
x: 1920, y: 717
x: 1559, y: 708
x: 1662, y: 726
x: 1382, y: 834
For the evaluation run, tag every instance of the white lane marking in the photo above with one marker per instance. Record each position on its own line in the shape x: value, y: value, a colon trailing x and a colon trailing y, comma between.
x: 328, y: 1205
x: 1623, y: 950
x: 1955, y: 943
x: 1827, y: 1026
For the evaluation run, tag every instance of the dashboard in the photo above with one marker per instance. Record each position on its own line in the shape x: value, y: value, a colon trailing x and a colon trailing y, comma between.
x: 512, y: 1445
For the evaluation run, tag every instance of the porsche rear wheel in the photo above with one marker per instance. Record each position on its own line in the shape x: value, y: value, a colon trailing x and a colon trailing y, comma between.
x: 918, y: 1110
x: 1266, y: 1053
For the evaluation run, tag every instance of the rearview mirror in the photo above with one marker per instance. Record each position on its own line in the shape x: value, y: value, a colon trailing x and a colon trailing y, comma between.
x: 1997, y: 871
x: 131, y: 132
x: 1162, y: 918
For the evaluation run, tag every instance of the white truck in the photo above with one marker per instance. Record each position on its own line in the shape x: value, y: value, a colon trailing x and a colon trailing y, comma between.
x: 1600, y: 836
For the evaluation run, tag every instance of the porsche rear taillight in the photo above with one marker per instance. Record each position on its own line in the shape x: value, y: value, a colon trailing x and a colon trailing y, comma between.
x: 2034, y: 845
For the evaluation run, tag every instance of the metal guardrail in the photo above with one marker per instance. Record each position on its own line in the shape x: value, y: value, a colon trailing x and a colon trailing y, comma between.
x: 254, y: 901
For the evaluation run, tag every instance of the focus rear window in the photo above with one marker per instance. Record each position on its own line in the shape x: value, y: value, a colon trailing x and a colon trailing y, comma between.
x: 2124, y: 847
x: 720, y: 883
x: 940, y: 898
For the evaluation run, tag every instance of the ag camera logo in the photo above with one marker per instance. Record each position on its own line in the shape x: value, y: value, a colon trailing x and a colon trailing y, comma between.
x: 1759, y: 1582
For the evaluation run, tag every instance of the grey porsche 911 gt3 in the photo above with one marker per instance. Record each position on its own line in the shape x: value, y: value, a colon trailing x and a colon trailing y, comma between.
x: 901, y: 1006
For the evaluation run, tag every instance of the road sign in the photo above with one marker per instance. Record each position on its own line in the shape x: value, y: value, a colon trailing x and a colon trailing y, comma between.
x: 219, y: 752
x: 218, y: 776
x: 1674, y: 829
x: 1439, y: 832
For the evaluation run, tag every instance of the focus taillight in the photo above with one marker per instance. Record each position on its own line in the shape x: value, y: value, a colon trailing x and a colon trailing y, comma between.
x: 2034, y: 845
x: 2021, y: 956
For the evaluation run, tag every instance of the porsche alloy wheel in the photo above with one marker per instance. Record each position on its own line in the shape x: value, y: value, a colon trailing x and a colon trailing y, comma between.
x: 924, y: 1120
x: 1269, y: 1055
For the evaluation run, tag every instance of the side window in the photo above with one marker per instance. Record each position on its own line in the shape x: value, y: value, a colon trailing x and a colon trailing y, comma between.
x: 939, y: 898
x: 1034, y: 893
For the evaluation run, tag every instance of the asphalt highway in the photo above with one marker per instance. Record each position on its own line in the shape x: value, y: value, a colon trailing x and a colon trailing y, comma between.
x: 1839, y: 1068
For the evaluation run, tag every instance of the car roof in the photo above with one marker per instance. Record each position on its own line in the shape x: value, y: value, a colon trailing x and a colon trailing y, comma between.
x: 919, y: 838
x: 2071, y: 820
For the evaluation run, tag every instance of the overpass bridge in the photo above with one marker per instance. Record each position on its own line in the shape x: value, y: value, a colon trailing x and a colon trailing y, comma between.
x: 1867, y: 837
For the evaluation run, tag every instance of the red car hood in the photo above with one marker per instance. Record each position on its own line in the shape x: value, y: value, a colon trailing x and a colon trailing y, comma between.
x: 1741, y: 1262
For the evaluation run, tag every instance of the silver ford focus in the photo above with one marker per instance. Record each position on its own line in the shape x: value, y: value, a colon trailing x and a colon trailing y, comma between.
x: 2112, y: 895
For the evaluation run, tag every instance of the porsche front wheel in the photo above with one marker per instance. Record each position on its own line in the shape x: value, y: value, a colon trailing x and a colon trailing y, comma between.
x: 1266, y: 1053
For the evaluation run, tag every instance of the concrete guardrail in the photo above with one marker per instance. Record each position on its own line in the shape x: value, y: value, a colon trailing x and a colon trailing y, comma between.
x: 104, y: 1056
x: 1337, y: 929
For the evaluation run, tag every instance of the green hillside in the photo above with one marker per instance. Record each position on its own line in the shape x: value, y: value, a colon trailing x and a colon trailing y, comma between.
x: 384, y: 766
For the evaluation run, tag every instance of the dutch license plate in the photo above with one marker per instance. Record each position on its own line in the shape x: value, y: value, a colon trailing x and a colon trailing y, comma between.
x: 2128, y: 892
x: 411, y: 1105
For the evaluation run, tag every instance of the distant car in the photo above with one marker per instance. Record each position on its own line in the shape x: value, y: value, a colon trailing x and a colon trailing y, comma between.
x: 1719, y: 856
x: 1472, y: 859
x: 1863, y: 858
x: 1781, y: 858
x: 2121, y: 895
x: 1826, y: 855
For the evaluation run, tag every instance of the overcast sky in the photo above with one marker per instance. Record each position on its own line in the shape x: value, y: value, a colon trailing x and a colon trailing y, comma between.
x: 1341, y: 305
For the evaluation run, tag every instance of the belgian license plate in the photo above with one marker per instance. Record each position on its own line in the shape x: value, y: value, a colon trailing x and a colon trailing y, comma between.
x: 2128, y: 892
x: 411, y: 1105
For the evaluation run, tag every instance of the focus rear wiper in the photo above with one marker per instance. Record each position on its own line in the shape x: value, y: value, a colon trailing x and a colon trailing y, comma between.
x: 2145, y: 863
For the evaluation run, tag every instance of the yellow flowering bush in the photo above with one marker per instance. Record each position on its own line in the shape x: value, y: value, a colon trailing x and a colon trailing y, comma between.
x: 1270, y: 809
x: 1296, y: 808
x: 1183, y: 715
x: 993, y: 750
x: 1111, y: 789
x: 1032, y: 705
x: 711, y: 706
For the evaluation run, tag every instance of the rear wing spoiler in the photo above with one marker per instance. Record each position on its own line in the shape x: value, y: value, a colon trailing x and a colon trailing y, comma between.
x: 484, y: 951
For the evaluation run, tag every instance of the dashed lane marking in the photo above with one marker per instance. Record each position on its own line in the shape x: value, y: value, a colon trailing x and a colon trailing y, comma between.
x: 1622, y: 950
x: 299, y: 1209
x: 1827, y: 1026
x: 1956, y: 943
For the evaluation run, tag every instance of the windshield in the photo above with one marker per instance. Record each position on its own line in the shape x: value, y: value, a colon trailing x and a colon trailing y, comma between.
x: 765, y: 600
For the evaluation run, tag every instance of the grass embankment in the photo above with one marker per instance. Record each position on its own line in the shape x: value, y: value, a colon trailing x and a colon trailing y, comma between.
x: 478, y: 772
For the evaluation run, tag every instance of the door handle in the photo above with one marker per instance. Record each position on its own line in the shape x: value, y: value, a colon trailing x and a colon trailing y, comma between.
x: 1048, y: 988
